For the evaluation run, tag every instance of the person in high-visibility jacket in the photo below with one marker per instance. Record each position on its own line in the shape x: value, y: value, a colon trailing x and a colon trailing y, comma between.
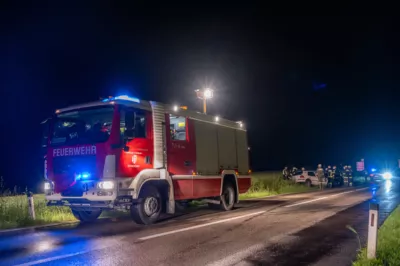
x: 346, y: 174
x: 332, y: 175
x: 350, y: 175
x: 328, y: 173
x: 285, y: 173
x: 320, y: 175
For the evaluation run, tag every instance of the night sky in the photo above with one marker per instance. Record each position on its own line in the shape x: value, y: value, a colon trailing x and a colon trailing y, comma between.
x: 309, y: 89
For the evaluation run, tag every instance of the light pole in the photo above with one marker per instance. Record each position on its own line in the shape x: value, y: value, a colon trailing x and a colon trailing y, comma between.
x: 204, y: 95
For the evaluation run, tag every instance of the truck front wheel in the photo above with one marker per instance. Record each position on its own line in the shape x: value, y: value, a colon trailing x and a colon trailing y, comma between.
x: 86, y: 216
x: 148, y: 210
x: 227, y: 197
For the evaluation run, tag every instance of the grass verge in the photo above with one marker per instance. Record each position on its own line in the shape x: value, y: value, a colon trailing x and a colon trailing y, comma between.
x: 271, y: 183
x: 388, y: 244
x: 14, y: 212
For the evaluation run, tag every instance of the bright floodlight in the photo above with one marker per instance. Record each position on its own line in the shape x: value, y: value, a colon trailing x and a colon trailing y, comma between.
x: 217, y: 118
x: 175, y: 108
x: 387, y: 175
x: 208, y: 94
x: 204, y: 95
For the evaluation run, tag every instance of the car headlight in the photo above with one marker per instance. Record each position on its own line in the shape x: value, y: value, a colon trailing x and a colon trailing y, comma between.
x: 105, y: 185
x: 387, y: 175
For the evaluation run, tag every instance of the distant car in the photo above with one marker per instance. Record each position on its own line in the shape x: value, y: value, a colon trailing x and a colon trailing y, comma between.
x: 380, y: 177
x: 308, y: 178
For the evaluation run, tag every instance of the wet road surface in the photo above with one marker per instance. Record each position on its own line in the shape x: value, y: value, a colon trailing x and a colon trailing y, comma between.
x: 298, y: 229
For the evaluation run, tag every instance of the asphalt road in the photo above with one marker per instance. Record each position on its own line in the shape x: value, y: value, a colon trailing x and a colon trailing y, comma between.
x: 298, y: 229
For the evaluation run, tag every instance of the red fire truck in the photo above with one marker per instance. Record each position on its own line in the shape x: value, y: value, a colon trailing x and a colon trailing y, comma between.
x: 145, y: 157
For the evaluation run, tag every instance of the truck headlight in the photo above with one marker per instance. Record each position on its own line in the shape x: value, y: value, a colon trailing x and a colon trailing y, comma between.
x: 48, y: 186
x: 105, y: 185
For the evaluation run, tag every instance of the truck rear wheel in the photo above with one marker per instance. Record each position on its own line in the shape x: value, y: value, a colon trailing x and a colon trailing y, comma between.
x: 86, y: 216
x: 227, y: 197
x: 148, y: 210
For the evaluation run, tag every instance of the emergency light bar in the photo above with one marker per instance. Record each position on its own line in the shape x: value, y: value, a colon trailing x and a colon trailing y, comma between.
x: 122, y: 97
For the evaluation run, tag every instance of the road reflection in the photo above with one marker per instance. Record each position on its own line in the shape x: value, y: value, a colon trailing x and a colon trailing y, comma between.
x: 388, y: 186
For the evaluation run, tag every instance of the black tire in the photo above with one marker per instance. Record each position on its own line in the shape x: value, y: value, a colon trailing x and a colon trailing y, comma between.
x: 308, y: 183
x: 227, y: 197
x: 86, y: 216
x: 148, y: 210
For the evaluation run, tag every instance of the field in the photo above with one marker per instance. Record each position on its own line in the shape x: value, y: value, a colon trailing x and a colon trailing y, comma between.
x: 14, y: 209
x: 388, y: 243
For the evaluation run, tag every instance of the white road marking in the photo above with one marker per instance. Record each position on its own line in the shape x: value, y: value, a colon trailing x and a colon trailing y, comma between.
x: 321, y: 198
x: 199, y: 226
x: 52, y: 258
x: 98, y: 245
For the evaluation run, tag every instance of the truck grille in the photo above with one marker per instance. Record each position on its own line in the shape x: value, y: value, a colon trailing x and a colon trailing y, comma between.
x: 69, y: 165
x: 65, y: 168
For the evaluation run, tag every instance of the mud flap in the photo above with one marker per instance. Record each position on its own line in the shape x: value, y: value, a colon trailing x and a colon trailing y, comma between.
x: 171, y: 199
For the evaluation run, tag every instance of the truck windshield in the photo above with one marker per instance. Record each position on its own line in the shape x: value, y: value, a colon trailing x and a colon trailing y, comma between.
x: 82, y: 126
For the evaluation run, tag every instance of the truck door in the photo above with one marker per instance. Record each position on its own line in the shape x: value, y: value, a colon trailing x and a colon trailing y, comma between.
x: 181, y: 153
x: 139, y: 154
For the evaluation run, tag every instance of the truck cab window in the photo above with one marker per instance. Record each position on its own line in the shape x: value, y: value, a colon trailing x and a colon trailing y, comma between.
x: 135, y: 121
x: 140, y: 125
x: 177, y: 127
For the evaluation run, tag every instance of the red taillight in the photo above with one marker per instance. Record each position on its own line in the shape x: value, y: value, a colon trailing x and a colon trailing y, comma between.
x: 371, y: 175
x: 301, y: 176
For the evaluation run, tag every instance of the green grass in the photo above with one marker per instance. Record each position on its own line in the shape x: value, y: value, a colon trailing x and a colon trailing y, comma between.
x: 14, y: 212
x: 271, y: 183
x: 388, y: 251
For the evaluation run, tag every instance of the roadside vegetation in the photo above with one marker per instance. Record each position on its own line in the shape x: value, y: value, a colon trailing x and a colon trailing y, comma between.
x: 388, y: 244
x: 14, y: 212
x: 271, y: 183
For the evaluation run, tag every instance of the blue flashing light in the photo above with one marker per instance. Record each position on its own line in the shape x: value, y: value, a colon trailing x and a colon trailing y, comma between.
x: 373, y: 170
x: 123, y: 98
x: 127, y: 98
x: 83, y: 175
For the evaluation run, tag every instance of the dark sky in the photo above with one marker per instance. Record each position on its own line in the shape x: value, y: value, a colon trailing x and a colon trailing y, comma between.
x: 268, y: 71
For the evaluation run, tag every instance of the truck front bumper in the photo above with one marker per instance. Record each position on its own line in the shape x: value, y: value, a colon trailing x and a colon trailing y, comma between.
x: 88, y: 202
x: 88, y: 196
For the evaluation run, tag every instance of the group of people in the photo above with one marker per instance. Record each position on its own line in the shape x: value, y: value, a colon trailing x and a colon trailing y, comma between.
x: 333, y: 176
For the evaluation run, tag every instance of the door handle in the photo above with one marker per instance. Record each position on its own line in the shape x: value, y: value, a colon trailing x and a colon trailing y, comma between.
x: 148, y: 160
x: 188, y: 163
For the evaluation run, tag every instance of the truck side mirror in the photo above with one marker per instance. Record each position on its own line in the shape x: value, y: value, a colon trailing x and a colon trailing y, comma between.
x: 45, y: 134
x: 129, y: 134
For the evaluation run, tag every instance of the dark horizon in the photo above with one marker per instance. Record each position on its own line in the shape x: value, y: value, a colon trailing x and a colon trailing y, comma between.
x: 309, y: 89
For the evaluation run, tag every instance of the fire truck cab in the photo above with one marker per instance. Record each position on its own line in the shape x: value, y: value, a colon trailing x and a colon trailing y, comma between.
x: 144, y: 157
